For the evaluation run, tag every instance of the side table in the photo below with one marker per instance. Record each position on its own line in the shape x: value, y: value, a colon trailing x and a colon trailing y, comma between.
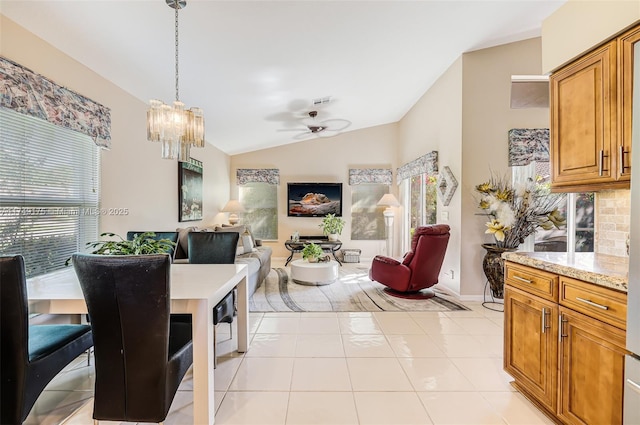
x: 326, y: 245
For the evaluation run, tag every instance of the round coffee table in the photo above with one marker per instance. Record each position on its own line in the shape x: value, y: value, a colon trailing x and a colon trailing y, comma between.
x: 306, y: 273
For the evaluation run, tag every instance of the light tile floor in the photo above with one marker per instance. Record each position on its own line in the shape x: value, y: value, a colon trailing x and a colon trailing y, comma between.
x: 341, y: 368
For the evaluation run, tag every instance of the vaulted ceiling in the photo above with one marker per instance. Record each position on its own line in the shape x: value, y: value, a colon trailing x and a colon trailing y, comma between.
x: 255, y: 67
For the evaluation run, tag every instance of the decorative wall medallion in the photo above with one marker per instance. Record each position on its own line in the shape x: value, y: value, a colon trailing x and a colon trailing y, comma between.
x: 446, y: 185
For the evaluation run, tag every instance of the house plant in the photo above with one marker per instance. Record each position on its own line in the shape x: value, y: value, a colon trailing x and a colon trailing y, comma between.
x: 332, y: 226
x: 140, y: 244
x: 311, y: 252
x: 515, y: 213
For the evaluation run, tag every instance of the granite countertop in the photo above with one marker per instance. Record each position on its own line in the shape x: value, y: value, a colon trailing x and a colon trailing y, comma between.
x: 600, y: 269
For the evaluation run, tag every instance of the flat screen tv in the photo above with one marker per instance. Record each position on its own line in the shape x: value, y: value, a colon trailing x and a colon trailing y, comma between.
x: 314, y: 199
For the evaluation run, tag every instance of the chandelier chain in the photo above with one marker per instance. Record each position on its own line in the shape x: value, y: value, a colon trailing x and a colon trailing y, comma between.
x: 177, y: 73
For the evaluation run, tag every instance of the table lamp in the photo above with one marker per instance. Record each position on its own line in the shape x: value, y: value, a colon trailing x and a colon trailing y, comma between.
x: 389, y: 201
x: 233, y: 207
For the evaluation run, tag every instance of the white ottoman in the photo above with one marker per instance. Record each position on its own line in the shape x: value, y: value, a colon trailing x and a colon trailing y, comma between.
x: 306, y: 273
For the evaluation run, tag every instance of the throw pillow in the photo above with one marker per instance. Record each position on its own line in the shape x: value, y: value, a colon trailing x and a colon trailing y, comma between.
x: 247, y: 242
x: 183, y: 238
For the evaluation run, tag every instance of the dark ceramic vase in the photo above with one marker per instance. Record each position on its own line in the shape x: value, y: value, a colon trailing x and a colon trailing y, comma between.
x: 493, y: 266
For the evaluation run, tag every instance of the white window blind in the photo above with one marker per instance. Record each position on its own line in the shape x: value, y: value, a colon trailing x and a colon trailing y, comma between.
x: 49, y: 191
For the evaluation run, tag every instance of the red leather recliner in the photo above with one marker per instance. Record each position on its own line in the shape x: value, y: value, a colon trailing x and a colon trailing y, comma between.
x: 419, y: 268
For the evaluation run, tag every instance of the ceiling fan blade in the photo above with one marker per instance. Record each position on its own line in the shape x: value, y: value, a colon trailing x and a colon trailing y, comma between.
x: 292, y: 129
x: 302, y: 136
x: 336, y: 124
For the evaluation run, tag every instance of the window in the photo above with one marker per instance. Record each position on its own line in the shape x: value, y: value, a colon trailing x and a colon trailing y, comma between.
x: 261, y: 202
x: 49, y: 191
x: 367, y: 221
x: 422, y: 200
x: 555, y: 240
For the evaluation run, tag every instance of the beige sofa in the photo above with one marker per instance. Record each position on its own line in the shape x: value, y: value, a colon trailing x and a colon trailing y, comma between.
x: 256, y: 257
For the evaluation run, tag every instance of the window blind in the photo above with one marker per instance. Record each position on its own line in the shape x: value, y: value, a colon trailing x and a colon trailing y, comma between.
x: 49, y: 191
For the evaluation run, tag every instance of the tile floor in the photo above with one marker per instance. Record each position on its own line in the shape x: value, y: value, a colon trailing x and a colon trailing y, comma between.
x: 341, y: 368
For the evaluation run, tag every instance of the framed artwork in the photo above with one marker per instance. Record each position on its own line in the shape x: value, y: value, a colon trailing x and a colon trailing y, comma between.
x: 190, y: 190
x: 446, y: 185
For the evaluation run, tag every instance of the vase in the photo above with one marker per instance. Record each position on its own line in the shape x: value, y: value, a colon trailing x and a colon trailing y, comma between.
x: 493, y: 266
x: 333, y: 237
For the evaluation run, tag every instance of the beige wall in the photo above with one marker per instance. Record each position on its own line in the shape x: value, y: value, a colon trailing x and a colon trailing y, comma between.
x: 323, y: 160
x: 487, y: 118
x: 435, y: 123
x: 578, y: 25
x: 132, y: 174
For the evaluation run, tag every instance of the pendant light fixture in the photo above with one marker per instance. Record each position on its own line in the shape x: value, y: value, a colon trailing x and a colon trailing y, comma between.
x: 177, y: 128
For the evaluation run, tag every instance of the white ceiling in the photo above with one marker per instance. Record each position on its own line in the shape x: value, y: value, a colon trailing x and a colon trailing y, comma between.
x: 255, y: 66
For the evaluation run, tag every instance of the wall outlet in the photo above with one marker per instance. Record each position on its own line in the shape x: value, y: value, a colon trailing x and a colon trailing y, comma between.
x: 445, y: 215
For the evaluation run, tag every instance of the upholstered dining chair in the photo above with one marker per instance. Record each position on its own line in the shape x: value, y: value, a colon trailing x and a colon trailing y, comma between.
x: 420, y: 266
x: 215, y: 248
x: 141, y: 355
x: 31, y: 355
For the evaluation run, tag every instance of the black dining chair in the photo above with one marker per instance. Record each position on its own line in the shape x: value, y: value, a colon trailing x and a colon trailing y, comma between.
x: 141, y: 355
x: 31, y: 355
x: 216, y: 248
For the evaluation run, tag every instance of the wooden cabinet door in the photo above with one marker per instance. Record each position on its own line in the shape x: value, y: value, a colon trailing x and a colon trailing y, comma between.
x: 626, y: 44
x: 530, y: 345
x: 591, y: 370
x: 583, y: 120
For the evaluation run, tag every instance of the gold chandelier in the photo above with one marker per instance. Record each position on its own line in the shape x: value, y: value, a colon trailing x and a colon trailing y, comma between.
x: 177, y: 128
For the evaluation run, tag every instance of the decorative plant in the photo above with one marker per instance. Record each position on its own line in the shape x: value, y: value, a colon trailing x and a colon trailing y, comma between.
x: 517, y: 212
x: 312, y: 252
x: 143, y: 243
x: 332, y: 224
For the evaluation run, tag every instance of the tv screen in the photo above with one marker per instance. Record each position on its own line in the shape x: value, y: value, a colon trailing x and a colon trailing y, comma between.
x: 314, y: 199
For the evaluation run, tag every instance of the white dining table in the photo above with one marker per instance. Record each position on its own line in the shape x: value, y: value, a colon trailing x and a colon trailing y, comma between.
x: 195, y: 289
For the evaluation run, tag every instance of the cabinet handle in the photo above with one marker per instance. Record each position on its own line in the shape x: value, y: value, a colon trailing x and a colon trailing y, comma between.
x: 634, y: 385
x: 622, y: 166
x: 591, y: 303
x: 544, y: 320
x: 561, y: 327
x: 522, y: 279
x: 601, y: 162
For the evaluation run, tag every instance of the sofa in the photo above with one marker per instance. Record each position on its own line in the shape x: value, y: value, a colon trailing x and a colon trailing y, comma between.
x: 250, y: 251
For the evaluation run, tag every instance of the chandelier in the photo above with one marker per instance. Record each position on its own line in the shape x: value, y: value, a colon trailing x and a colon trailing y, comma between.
x: 177, y: 128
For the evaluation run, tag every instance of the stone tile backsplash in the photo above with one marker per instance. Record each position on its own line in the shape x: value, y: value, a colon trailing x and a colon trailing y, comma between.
x: 613, y: 214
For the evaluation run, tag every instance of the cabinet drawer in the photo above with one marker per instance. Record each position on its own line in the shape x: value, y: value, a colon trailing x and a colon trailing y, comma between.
x: 601, y: 303
x: 533, y: 281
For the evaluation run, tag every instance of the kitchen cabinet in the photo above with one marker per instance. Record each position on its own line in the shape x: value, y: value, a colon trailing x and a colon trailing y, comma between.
x: 591, y: 109
x: 591, y: 365
x: 531, y: 345
x: 564, y: 344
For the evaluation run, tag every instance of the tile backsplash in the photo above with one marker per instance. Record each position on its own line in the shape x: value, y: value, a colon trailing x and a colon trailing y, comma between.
x: 613, y: 214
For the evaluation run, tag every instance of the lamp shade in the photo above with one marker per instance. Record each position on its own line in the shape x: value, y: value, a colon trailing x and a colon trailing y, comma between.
x: 388, y: 200
x: 233, y: 206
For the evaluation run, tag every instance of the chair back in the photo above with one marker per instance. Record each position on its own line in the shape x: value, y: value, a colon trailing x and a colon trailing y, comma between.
x: 428, y: 248
x: 172, y: 236
x: 213, y: 247
x: 14, y: 344
x: 128, y: 300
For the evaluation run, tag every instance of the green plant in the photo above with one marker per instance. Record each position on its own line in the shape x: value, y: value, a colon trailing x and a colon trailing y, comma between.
x: 312, y: 251
x: 141, y: 244
x: 332, y: 224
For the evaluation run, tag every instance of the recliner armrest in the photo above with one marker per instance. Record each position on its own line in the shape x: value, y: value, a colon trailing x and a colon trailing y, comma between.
x: 386, y: 260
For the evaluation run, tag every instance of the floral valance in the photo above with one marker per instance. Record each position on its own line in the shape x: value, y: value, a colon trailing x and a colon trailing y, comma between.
x: 425, y: 164
x: 257, y: 175
x: 370, y: 176
x: 26, y: 92
x: 528, y: 144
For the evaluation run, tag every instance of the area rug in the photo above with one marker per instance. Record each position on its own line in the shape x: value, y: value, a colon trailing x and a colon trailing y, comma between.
x: 354, y: 291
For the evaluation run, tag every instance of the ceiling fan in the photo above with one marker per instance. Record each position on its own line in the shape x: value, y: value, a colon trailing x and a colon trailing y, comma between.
x: 314, y: 127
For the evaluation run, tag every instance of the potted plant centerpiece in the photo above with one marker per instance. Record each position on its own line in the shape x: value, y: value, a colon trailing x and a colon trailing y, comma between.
x: 332, y: 226
x: 141, y: 244
x: 311, y: 252
x: 515, y: 213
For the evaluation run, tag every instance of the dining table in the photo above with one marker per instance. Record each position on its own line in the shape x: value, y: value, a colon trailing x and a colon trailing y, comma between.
x: 195, y: 289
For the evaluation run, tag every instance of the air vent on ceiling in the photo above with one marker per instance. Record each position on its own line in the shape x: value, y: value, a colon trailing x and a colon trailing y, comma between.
x: 321, y: 100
